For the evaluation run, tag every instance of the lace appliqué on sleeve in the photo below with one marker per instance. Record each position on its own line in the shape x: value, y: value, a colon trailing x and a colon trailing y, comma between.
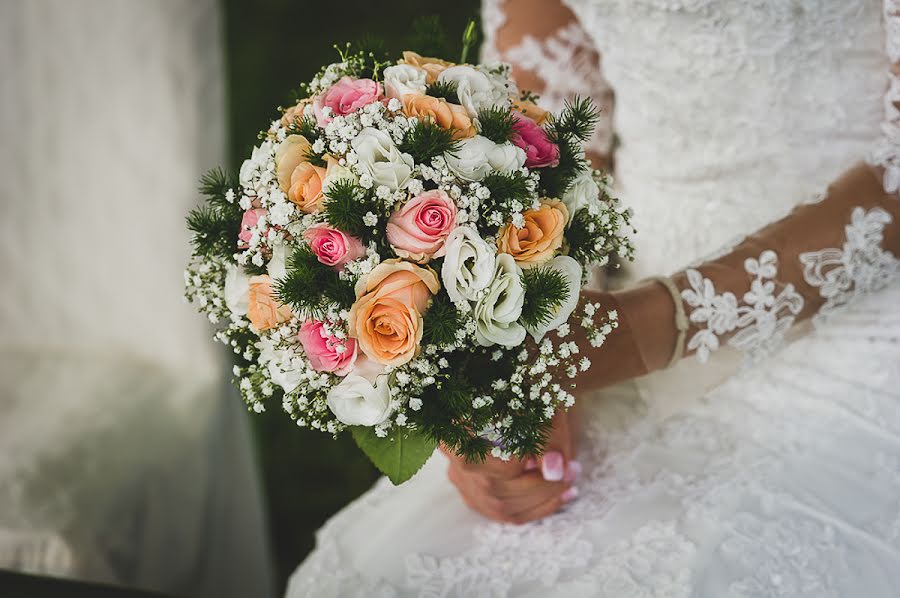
x: 758, y: 322
x: 887, y: 151
x: 859, y: 267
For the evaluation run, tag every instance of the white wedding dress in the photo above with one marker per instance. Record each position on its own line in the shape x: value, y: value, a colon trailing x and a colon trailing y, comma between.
x: 781, y: 479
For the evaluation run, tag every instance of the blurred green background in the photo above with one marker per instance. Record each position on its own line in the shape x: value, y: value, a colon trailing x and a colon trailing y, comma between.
x: 272, y: 46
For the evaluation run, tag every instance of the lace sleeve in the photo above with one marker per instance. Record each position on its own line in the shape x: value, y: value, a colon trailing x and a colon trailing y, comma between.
x: 551, y: 55
x: 887, y: 152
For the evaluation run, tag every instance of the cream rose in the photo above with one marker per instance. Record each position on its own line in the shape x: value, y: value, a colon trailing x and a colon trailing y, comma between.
x: 477, y: 156
x: 583, y: 192
x: 474, y: 89
x: 468, y: 264
x: 237, y: 289
x: 379, y: 158
x: 497, y: 312
x: 403, y: 79
x: 289, y: 154
x: 357, y: 402
x: 541, y: 237
x: 386, y: 318
x: 571, y: 272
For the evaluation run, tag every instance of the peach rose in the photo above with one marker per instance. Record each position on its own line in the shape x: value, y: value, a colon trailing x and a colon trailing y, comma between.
x: 294, y: 113
x: 442, y: 113
x: 306, y: 187
x: 386, y: 319
x: 531, y: 110
x: 432, y: 66
x: 263, y: 310
x: 289, y: 155
x: 540, y: 238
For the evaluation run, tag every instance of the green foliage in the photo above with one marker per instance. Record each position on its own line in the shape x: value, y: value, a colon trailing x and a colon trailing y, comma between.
x: 496, y: 123
x: 469, y: 41
x: 441, y: 321
x: 215, y: 226
x: 215, y: 231
x: 374, y: 55
x: 428, y: 37
x: 578, y: 119
x: 427, y: 140
x: 346, y: 205
x: 305, y: 126
x: 399, y: 455
x: 556, y: 181
x: 443, y: 89
x: 506, y: 187
x: 545, y: 290
x: 569, y: 129
x: 310, y: 286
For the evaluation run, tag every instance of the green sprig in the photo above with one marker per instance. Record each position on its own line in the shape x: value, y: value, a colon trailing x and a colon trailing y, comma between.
x: 545, y: 291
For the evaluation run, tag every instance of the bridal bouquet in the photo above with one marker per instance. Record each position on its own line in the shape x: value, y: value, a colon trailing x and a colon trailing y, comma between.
x: 394, y: 252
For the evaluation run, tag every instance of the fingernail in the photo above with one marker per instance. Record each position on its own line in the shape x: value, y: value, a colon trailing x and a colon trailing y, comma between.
x: 573, y: 470
x: 530, y: 464
x: 553, y: 466
x: 569, y: 495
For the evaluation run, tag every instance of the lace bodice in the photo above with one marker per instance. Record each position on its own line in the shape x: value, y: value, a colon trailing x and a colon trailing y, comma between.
x: 768, y: 127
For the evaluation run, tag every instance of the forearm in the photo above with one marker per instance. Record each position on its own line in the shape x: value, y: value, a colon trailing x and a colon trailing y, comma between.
x: 781, y: 274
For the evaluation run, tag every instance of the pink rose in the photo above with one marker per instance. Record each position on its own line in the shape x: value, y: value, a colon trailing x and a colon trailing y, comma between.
x: 344, y: 97
x: 417, y: 231
x: 326, y: 353
x: 539, y: 150
x: 248, y: 223
x: 333, y: 247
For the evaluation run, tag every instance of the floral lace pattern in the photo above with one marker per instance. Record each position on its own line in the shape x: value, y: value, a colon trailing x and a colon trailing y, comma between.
x: 859, y: 267
x: 758, y: 322
x: 887, y: 151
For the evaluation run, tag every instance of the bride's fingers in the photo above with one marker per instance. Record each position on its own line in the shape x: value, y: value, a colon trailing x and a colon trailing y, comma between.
x: 544, y: 509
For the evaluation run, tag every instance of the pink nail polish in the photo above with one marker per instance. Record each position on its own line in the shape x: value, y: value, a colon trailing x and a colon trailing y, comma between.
x: 569, y: 495
x: 553, y: 466
x: 573, y: 470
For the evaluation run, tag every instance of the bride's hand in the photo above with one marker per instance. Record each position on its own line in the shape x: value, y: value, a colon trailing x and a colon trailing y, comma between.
x: 518, y: 491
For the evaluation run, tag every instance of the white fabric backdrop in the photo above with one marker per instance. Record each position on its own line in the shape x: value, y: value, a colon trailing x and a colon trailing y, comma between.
x: 123, y: 457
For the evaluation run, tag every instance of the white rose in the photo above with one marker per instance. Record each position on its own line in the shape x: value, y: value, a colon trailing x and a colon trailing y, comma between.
x: 497, y: 313
x: 571, y: 271
x: 503, y: 85
x: 337, y: 172
x: 379, y: 158
x: 468, y: 264
x: 474, y: 89
x: 506, y: 157
x: 402, y: 79
x: 583, y: 192
x: 477, y: 156
x: 357, y: 402
x: 276, y: 267
x: 237, y: 290
x: 286, y: 375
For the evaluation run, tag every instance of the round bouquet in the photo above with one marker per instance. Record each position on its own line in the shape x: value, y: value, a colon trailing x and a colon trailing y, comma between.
x: 395, y: 251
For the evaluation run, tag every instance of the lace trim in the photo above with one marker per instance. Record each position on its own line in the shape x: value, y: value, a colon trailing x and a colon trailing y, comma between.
x: 887, y: 151
x: 760, y: 320
x: 859, y: 267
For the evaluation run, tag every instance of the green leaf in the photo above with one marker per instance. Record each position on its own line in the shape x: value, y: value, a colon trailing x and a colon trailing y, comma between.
x: 399, y: 455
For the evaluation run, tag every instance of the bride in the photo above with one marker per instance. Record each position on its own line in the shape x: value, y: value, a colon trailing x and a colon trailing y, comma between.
x: 766, y: 462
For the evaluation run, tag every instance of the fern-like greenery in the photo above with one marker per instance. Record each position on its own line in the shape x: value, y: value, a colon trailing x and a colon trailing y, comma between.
x: 441, y: 321
x: 215, y: 225
x: 346, y: 205
x: 426, y: 140
x: 310, y: 286
x: 496, y: 123
x: 545, y: 291
x: 446, y: 90
x: 569, y: 129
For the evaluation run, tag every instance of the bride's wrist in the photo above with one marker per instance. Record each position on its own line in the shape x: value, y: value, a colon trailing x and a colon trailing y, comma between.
x: 647, y: 313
